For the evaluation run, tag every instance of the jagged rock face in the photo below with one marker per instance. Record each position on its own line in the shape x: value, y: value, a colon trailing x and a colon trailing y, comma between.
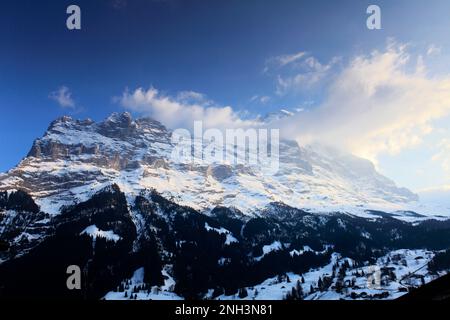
x: 75, y: 153
x: 19, y: 201
x: 22, y: 225
x: 220, y: 172
x: 76, y: 158
x: 109, y: 144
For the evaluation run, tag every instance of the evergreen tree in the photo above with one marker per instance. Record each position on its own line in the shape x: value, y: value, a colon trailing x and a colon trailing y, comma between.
x: 288, y: 296
x: 301, y: 294
x: 279, y: 278
x: 243, y: 293
x: 299, y: 289
x: 294, y: 294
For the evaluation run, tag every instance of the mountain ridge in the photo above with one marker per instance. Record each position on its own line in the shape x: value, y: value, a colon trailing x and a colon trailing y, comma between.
x: 76, y: 157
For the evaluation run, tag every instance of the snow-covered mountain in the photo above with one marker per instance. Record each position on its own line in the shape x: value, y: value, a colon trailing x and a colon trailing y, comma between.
x: 74, y: 159
x: 109, y: 198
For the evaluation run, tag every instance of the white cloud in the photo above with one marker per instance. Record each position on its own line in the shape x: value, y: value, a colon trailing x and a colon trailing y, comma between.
x: 260, y: 99
x: 264, y: 99
x: 439, y: 196
x: 443, y: 155
x: 181, y: 110
x: 63, y: 96
x: 445, y: 188
x: 193, y: 97
x: 375, y: 105
x: 433, y: 50
x: 308, y: 72
x: 287, y: 59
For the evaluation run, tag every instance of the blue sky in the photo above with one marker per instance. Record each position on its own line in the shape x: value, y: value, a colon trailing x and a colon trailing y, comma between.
x: 231, y: 52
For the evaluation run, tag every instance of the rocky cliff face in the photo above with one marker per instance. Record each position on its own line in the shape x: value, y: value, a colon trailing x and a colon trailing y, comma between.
x: 22, y: 225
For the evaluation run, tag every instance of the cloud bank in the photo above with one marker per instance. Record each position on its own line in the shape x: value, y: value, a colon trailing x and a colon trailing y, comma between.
x: 63, y: 96
x: 383, y: 102
x: 182, y: 110
x: 299, y: 72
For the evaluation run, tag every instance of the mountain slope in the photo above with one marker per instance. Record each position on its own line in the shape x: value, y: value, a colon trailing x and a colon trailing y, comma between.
x: 172, y: 251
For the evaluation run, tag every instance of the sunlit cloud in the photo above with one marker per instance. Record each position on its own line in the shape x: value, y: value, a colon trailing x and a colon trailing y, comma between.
x: 434, y: 50
x: 182, y: 109
x: 299, y: 72
x: 284, y: 60
x: 442, y: 157
x: 260, y: 99
x: 63, y: 96
x: 378, y: 103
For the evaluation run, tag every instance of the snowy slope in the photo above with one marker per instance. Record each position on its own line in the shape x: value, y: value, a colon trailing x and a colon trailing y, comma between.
x: 94, y: 232
x: 398, y: 271
x: 131, y: 286
x: 408, y: 270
